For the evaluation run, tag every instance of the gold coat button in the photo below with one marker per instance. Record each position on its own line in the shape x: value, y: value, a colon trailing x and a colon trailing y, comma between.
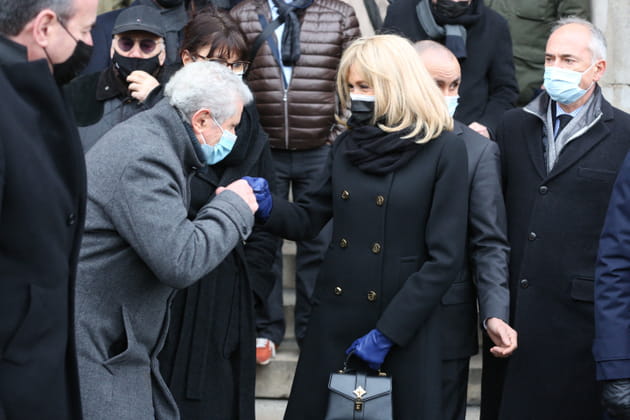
x: 338, y: 291
x: 380, y: 200
x: 345, y: 195
x: 371, y: 296
x: 376, y: 248
x: 343, y: 243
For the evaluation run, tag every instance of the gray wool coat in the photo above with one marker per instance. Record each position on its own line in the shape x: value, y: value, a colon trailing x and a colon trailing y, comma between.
x: 138, y: 249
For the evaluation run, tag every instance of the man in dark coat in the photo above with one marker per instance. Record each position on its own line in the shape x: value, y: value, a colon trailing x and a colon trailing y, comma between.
x: 130, y: 84
x: 479, y: 38
x: 174, y: 17
x: 612, y: 298
x: 42, y: 205
x: 483, y: 279
x: 558, y: 173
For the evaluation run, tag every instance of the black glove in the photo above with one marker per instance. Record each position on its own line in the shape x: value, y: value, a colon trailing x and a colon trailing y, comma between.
x: 616, y: 398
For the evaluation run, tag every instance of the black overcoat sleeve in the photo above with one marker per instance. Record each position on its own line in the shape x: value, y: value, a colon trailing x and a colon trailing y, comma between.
x: 305, y: 218
x: 502, y: 85
x: 445, y: 237
x: 487, y: 236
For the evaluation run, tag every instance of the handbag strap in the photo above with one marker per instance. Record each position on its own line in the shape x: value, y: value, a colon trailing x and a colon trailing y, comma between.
x: 347, y: 369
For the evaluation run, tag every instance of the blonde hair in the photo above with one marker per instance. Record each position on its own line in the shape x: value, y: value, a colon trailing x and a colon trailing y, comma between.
x: 406, y: 97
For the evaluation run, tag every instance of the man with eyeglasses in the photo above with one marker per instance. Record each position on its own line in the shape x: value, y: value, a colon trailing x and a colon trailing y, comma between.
x: 43, y: 44
x: 130, y: 84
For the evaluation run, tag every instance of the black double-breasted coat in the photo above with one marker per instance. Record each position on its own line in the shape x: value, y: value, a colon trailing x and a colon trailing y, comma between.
x: 554, y: 223
x: 42, y: 210
x: 398, y: 242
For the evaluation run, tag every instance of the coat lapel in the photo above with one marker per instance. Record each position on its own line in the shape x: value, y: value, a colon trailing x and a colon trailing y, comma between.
x: 537, y: 111
x: 536, y: 152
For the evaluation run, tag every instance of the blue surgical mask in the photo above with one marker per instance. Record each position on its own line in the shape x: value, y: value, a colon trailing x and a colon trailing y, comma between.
x: 563, y: 85
x: 451, y: 103
x: 218, y: 152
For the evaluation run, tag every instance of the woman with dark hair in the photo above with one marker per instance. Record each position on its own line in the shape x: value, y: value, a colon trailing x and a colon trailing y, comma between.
x: 208, y: 359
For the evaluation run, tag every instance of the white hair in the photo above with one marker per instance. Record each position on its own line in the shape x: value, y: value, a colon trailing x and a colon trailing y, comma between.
x: 598, y: 40
x: 206, y: 85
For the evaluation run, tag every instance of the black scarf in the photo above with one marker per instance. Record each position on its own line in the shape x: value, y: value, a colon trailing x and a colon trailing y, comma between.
x: 374, y: 151
x: 291, y: 32
x: 453, y: 30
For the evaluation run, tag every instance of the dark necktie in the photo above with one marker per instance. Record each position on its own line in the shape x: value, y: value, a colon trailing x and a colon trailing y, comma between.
x: 563, y: 120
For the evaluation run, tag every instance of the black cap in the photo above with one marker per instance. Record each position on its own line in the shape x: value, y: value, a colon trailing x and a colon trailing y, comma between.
x: 139, y: 18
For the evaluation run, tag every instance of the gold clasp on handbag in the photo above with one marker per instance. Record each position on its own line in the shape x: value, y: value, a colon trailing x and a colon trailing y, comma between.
x: 359, y: 392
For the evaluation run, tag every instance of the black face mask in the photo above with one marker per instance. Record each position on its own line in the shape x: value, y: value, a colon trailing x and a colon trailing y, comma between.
x: 168, y: 4
x: 362, y: 113
x: 127, y: 65
x: 78, y: 60
x: 69, y: 69
x: 451, y: 8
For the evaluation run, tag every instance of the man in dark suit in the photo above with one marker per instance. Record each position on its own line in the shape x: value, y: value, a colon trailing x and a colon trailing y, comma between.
x: 560, y: 156
x: 612, y: 300
x: 42, y: 205
x: 480, y: 39
x: 484, y: 278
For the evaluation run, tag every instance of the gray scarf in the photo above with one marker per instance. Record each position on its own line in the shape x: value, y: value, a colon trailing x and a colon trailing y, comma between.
x: 455, y: 35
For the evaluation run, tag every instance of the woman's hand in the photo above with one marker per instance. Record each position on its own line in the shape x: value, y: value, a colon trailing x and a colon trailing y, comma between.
x: 263, y: 197
x: 371, y: 348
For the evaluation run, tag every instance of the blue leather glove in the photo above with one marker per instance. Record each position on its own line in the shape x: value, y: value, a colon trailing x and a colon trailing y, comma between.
x: 616, y: 398
x: 263, y: 197
x: 372, y: 348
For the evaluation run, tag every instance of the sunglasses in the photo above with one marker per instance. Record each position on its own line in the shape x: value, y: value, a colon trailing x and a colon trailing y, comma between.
x: 236, y: 67
x: 147, y: 45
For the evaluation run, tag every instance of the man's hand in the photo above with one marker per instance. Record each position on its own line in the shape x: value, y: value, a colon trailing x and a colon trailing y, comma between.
x: 242, y: 188
x: 141, y: 84
x: 503, y: 336
x: 479, y: 128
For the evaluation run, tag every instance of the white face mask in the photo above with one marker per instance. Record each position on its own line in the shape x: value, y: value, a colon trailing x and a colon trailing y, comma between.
x: 360, y: 97
x: 451, y: 103
x: 563, y: 85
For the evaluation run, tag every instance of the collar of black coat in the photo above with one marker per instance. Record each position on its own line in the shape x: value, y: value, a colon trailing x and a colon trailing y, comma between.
x: 595, y: 106
x: 110, y: 86
x: 12, y: 52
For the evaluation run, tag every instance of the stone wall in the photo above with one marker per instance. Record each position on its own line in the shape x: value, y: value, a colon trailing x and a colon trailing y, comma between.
x: 612, y: 16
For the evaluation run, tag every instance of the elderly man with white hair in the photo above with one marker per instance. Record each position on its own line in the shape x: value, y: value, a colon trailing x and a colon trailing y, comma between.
x: 140, y: 246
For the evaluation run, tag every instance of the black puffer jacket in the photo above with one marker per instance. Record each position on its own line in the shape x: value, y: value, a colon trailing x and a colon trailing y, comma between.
x: 301, y: 116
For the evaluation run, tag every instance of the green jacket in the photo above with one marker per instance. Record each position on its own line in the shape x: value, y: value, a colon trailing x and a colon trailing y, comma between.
x: 109, y: 5
x: 530, y: 22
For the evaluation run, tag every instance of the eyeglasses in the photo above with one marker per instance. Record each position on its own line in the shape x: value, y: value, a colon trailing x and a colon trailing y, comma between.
x: 147, y: 45
x: 236, y: 67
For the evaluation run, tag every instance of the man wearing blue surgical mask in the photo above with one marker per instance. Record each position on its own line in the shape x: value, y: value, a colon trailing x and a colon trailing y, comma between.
x: 560, y: 156
x: 482, y: 282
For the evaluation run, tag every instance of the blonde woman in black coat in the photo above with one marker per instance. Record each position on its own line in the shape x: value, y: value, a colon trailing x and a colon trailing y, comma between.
x: 396, y: 188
